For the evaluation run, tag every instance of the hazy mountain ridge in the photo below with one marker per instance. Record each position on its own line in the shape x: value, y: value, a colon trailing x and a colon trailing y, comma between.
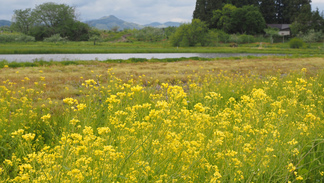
x: 160, y: 25
x: 109, y: 22
x: 5, y: 23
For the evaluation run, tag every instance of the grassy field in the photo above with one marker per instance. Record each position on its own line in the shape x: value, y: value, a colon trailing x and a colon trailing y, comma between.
x: 246, y: 120
x: 146, y: 47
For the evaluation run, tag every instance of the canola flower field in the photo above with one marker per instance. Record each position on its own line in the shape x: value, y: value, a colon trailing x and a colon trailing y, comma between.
x: 220, y: 127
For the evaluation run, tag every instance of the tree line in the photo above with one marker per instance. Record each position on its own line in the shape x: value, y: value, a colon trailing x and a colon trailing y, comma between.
x: 49, y: 19
x: 214, y: 22
x: 251, y: 16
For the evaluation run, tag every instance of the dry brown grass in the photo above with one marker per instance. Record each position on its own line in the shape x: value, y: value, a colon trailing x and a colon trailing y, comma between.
x: 65, y: 81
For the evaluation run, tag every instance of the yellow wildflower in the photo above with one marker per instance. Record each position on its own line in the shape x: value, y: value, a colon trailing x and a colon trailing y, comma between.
x: 291, y: 167
x: 269, y: 149
x: 29, y: 136
x: 103, y: 130
x: 74, y: 121
x: 46, y: 117
x: 299, y: 178
x: 292, y: 142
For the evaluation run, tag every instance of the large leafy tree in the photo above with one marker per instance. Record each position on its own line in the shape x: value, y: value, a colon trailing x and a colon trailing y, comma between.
x: 246, y: 19
x: 49, y: 19
x: 204, y: 10
x: 268, y: 10
x: 190, y: 34
x: 273, y: 11
x: 224, y: 17
x: 307, y: 20
x: 289, y: 10
x: 55, y: 17
x: 22, y: 21
x: 241, y: 3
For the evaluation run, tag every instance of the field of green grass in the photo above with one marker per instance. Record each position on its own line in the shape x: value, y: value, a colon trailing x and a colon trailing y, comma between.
x: 146, y: 47
x: 225, y: 120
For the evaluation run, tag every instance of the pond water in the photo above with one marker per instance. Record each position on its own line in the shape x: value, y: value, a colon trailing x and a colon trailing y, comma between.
x: 123, y: 56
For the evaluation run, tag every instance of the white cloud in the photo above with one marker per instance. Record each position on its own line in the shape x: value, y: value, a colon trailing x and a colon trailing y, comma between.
x: 138, y: 11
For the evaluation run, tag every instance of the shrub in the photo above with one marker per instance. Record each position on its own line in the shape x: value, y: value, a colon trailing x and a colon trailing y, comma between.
x: 234, y: 38
x: 55, y: 38
x: 190, y: 34
x: 25, y: 38
x: 5, y: 38
x: 149, y: 34
x: 296, y: 43
x: 312, y: 36
x: 246, y: 38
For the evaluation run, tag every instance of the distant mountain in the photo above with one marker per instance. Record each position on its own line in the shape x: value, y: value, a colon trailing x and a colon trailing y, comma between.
x: 109, y: 22
x: 166, y: 24
x: 5, y: 23
x: 172, y: 24
x: 154, y: 24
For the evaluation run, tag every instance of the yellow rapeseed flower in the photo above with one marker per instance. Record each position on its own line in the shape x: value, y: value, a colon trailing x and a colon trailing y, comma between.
x: 292, y: 142
x: 74, y: 121
x: 291, y: 167
x: 299, y: 178
x: 46, y: 117
x: 29, y: 136
x: 81, y: 106
x: 103, y: 130
x: 269, y: 149
x: 18, y: 132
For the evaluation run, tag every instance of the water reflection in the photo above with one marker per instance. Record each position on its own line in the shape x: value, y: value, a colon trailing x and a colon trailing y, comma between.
x: 102, y: 57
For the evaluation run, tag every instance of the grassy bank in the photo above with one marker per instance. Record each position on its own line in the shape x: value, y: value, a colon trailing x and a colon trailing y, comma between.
x: 42, y: 63
x: 145, y: 47
x: 247, y: 120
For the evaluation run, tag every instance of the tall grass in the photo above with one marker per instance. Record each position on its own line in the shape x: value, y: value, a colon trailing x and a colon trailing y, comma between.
x: 214, y: 127
x: 146, y: 47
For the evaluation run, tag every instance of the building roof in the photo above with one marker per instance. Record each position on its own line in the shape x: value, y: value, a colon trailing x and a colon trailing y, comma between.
x: 279, y: 26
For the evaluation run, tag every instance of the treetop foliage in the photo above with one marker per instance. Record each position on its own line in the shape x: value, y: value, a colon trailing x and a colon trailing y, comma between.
x: 48, y: 19
x: 251, y: 16
x: 246, y: 19
x: 273, y: 11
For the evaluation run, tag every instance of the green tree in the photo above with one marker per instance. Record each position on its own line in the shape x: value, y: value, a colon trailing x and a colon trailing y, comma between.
x: 95, y: 39
x: 273, y: 11
x: 49, y: 19
x: 317, y: 21
x: 22, y: 21
x: 55, y: 17
x: 204, y: 10
x: 289, y: 10
x: 246, y: 19
x: 271, y: 32
x: 223, y: 18
x: 115, y: 28
x: 78, y: 31
x: 268, y: 10
x: 312, y: 36
x: 241, y: 3
x: 302, y: 21
x: 190, y: 34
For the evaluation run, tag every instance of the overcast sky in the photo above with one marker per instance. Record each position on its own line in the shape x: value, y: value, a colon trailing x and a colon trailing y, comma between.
x: 137, y: 11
